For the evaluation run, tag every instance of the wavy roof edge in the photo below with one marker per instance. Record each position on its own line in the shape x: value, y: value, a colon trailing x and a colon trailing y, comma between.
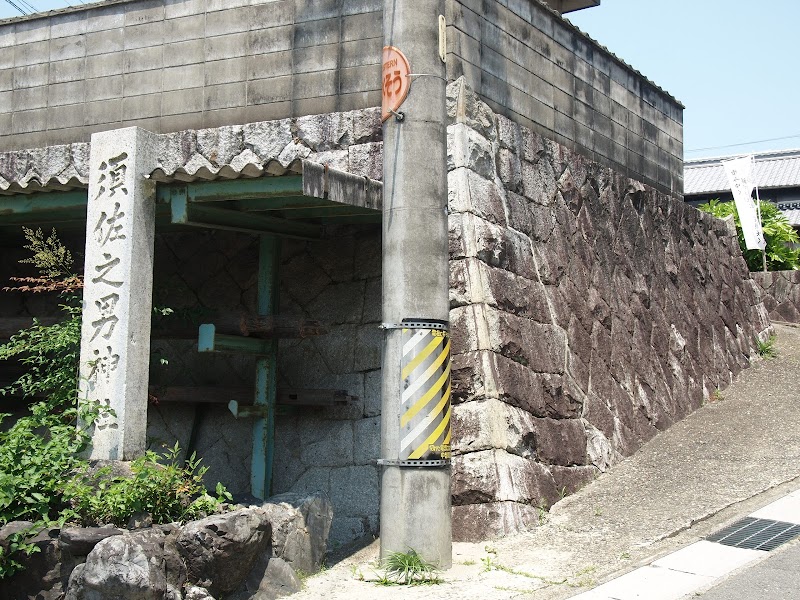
x: 778, y: 169
x: 264, y: 148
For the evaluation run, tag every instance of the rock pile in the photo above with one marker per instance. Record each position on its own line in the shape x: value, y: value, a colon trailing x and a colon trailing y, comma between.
x: 253, y: 553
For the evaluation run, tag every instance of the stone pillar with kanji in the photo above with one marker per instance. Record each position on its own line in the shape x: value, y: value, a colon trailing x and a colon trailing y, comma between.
x: 117, y: 294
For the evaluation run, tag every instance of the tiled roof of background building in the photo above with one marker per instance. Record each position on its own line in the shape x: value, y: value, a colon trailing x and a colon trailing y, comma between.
x: 772, y: 170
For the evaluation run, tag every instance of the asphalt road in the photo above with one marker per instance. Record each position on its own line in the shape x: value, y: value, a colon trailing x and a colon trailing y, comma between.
x: 775, y: 578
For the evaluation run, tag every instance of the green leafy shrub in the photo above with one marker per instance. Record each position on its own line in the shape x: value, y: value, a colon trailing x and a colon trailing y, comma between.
x: 168, y: 490
x: 17, y: 543
x: 43, y: 478
x: 782, y: 240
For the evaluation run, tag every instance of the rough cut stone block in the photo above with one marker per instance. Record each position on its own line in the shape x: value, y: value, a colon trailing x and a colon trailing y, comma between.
x: 490, y: 424
x: 474, y: 282
x: 496, y: 476
x: 467, y: 148
x: 570, y: 479
x: 492, y: 520
x: 464, y: 106
x: 468, y: 192
x: 366, y: 160
x: 560, y: 442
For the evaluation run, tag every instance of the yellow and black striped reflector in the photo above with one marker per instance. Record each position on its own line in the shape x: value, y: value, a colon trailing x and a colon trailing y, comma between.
x: 425, y: 401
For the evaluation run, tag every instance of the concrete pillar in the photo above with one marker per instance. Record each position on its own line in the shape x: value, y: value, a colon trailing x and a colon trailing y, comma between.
x: 415, y: 500
x: 118, y: 286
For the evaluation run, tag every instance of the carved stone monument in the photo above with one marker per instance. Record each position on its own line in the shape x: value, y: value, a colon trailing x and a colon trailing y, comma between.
x: 117, y: 297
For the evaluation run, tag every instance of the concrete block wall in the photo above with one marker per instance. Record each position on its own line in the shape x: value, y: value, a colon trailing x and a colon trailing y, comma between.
x: 588, y: 312
x: 533, y: 66
x: 171, y: 65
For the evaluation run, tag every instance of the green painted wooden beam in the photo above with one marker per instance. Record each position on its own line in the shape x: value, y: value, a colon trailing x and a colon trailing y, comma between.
x: 341, y: 211
x: 233, y: 189
x: 200, y: 215
x: 208, y: 340
x: 45, y: 201
x: 279, y: 203
x: 43, y: 208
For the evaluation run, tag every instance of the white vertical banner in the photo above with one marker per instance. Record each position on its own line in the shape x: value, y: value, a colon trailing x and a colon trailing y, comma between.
x: 740, y: 177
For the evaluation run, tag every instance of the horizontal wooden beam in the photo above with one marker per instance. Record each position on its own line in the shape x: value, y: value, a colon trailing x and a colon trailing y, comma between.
x: 210, y: 341
x: 200, y: 215
x: 244, y: 396
x: 232, y: 189
x: 45, y: 202
x: 276, y: 326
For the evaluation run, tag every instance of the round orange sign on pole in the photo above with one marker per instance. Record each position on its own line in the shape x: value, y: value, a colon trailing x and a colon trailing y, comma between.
x: 395, y: 80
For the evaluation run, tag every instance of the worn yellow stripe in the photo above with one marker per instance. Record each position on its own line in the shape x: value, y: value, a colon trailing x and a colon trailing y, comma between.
x: 426, y: 351
x: 420, y: 381
x: 432, y: 437
x: 419, y: 404
x: 449, y: 429
x: 423, y: 425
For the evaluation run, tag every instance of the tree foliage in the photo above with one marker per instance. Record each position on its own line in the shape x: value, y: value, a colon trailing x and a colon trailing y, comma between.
x: 783, y: 243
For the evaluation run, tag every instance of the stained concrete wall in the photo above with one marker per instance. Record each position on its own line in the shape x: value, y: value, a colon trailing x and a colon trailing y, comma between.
x: 589, y: 312
x: 170, y: 65
x: 780, y: 291
x: 534, y: 67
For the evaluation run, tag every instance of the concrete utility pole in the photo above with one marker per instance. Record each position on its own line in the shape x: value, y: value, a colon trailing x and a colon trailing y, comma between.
x: 415, y: 423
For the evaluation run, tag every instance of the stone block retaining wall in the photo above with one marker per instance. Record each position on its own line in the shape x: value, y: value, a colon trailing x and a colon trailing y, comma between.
x: 589, y: 312
x: 780, y: 291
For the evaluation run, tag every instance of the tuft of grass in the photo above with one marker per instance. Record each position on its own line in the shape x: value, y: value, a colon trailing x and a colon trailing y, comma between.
x: 767, y: 349
x: 408, y: 568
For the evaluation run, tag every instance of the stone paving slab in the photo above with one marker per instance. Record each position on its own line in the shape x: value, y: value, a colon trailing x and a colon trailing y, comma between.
x: 726, y: 460
x: 709, y: 559
x: 786, y: 509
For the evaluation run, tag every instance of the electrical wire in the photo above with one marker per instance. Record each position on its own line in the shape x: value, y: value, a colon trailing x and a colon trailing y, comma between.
x: 9, y: 2
x: 777, y: 139
x: 28, y: 6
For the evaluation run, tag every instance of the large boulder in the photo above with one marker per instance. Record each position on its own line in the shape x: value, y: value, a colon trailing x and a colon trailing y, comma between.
x: 270, y: 578
x: 300, y: 527
x: 220, y: 550
x: 142, y: 565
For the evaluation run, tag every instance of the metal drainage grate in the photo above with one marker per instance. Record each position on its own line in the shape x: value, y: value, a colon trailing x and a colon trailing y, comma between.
x: 756, y: 534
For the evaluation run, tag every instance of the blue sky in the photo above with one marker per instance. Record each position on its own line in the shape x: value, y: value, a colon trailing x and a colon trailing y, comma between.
x: 731, y: 62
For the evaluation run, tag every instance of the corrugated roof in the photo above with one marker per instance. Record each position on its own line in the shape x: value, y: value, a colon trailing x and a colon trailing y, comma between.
x: 792, y: 215
x: 772, y: 170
